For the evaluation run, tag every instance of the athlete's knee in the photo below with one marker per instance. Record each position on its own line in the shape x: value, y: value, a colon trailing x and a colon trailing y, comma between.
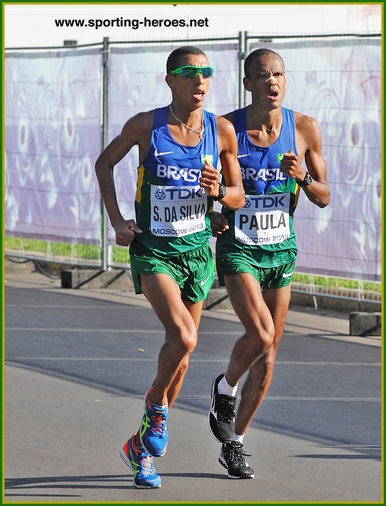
x: 268, y: 339
x: 183, y: 339
x: 261, y: 338
x: 189, y: 341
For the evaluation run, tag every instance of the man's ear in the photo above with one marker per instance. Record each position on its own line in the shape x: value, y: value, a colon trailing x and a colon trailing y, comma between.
x: 247, y: 84
x: 170, y: 81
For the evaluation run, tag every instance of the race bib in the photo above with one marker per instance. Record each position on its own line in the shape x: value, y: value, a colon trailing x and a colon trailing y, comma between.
x: 264, y: 219
x: 177, y: 211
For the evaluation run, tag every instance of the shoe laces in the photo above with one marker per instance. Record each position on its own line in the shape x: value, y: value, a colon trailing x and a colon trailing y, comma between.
x: 237, y: 454
x: 159, y: 421
x: 159, y: 425
x: 146, y: 463
x: 225, y: 408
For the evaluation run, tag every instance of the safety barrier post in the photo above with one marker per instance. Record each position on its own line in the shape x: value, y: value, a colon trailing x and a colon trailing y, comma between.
x: 241, y: 58
x: 106, y: 265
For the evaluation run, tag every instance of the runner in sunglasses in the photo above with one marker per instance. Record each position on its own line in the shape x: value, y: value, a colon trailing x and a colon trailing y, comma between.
x: 171, y: 259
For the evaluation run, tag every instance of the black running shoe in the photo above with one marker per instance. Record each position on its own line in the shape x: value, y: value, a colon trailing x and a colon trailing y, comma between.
x: 221, y: 415
x: 232, y: 458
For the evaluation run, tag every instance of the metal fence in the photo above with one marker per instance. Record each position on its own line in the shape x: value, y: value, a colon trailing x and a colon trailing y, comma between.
x: 63, y: 105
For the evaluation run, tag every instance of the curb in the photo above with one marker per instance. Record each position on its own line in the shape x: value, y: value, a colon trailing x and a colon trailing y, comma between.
x: 365, y: 317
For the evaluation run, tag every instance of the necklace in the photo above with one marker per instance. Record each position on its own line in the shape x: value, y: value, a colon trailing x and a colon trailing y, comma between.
x: 268, y: 130
x: 199, y: 132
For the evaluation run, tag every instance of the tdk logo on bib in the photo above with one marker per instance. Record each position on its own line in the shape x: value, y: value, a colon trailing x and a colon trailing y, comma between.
x: 183, y: 193
x: 264, y: 202
x: 160, y: 195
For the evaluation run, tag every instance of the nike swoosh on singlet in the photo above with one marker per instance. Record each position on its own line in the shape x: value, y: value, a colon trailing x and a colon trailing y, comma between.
x: 242, y: 156
x: 156, y: 153
x: 288, y: 274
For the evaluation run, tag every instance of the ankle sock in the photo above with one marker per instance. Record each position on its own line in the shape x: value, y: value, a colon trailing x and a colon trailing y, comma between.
x: 238, y: 438
x: 225, y: 389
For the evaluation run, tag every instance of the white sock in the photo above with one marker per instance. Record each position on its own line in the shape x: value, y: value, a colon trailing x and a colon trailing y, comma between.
x: 225, y: 389
x: 237, y: 437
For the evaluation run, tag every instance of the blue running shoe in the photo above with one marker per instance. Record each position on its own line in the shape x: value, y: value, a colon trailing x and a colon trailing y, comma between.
x: 153, y: 435
x: 141, y: 463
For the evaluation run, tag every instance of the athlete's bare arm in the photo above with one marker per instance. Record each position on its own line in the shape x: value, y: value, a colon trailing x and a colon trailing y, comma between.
x: 309, y: 146
x: 227, y: 144
x: 136, y: 131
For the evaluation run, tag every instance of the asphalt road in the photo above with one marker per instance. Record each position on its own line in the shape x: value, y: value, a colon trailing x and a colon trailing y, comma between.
x: 78, y: 362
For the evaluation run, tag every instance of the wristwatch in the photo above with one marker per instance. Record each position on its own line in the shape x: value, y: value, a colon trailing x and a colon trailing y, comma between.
x: 221, y: 192
x: 306, y: 181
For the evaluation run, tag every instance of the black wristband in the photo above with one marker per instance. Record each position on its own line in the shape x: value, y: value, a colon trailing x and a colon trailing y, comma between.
x: 306, y: 181
x: 221, y: 192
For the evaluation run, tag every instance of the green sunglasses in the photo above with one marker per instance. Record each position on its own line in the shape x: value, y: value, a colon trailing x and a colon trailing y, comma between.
x: 190, y: 72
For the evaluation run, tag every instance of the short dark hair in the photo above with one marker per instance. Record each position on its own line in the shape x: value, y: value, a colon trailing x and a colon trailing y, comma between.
x: 257, y: 53
x: 174, y: 57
